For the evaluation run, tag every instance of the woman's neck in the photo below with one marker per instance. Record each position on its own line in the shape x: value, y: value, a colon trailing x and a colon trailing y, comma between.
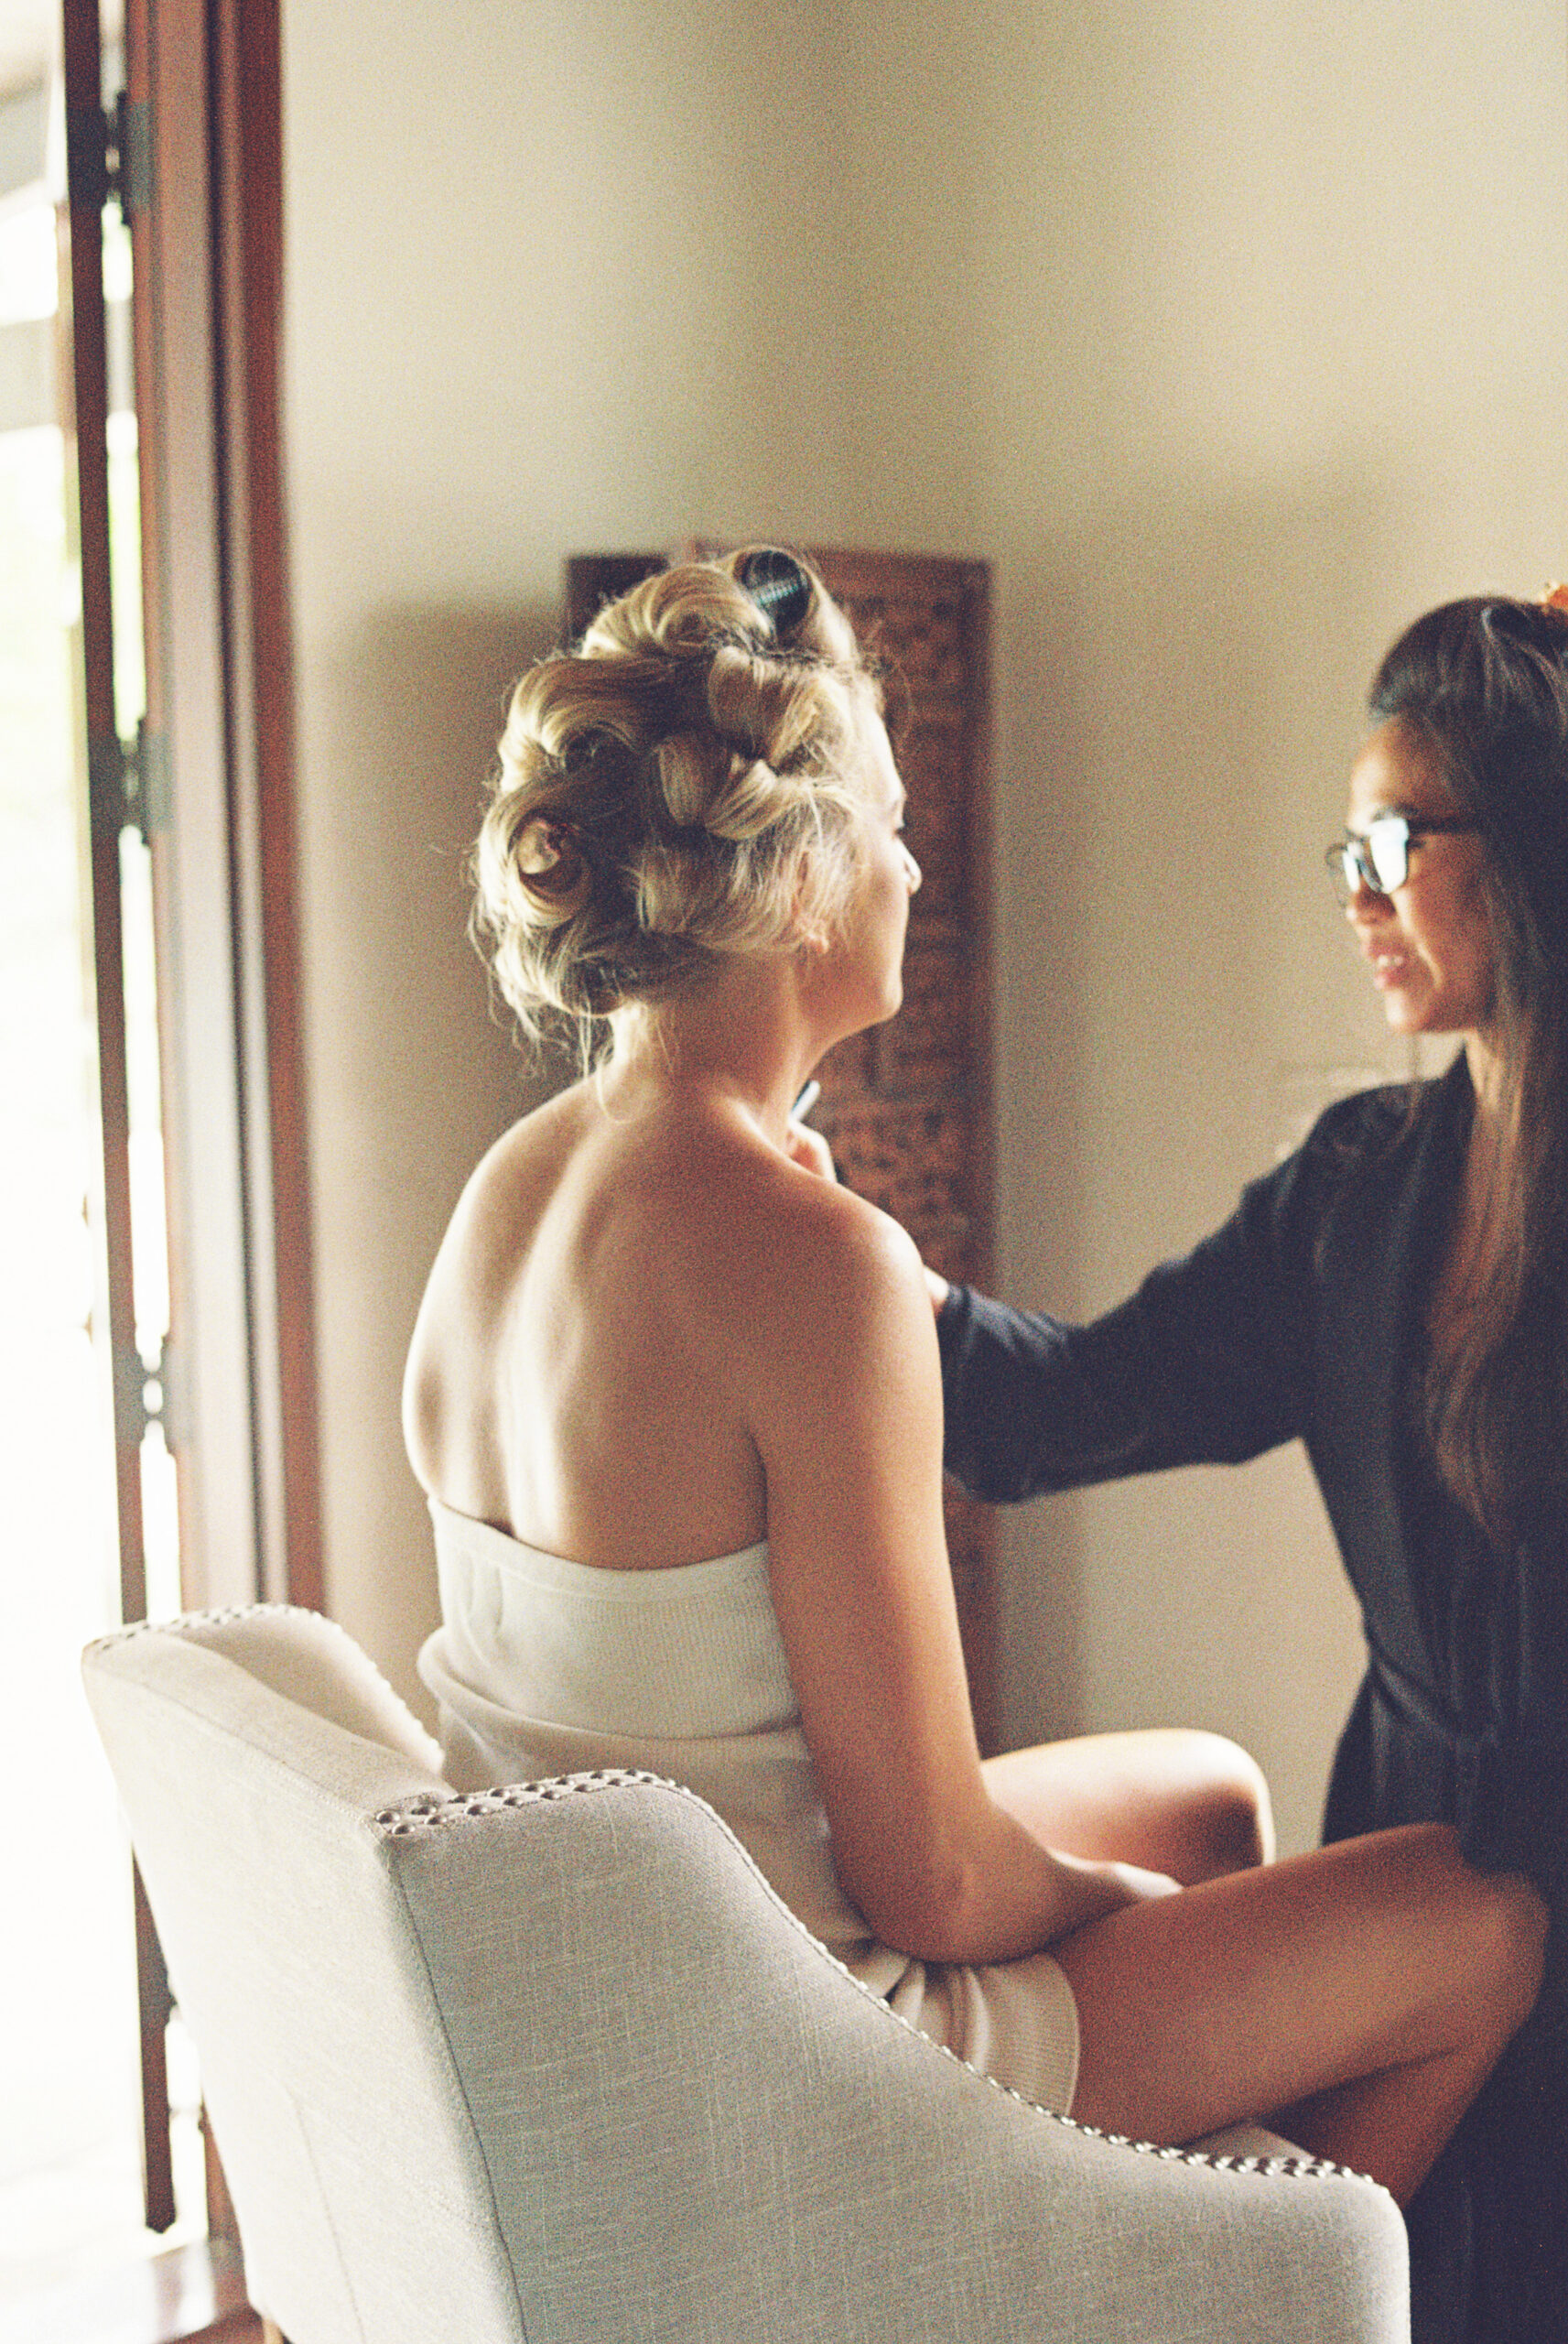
x: 742, y: 1037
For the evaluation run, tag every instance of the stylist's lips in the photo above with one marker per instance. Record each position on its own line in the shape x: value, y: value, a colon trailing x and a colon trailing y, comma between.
x: 1388, y: 967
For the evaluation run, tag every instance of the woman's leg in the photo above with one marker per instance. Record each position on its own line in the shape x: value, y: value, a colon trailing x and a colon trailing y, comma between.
x: 1356, y: 1998
x: 1190, y: 1805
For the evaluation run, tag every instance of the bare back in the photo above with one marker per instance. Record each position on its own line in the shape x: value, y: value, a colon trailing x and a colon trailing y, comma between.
x: 579, y: 1368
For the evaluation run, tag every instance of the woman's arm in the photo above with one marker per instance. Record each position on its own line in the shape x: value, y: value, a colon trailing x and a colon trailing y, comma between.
x: 845, y: 1409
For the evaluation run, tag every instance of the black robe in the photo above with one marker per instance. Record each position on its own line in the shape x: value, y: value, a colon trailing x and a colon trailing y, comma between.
x: 1303, y: 1318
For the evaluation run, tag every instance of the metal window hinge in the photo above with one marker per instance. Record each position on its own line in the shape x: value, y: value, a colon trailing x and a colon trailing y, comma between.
x: 148, y: 1393
x: 130, y: 169
x: 108, y: 156
x: 129, y: 781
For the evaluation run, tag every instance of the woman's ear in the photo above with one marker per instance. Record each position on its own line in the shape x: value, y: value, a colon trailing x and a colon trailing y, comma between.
x: 811, y: 933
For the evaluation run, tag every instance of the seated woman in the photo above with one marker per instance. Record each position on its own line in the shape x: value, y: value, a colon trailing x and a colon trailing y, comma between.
x: 676, y: 1403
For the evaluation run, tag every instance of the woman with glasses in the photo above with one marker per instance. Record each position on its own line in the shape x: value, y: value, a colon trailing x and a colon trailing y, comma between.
x: 1396, y: 1297
x: 676, y: 1402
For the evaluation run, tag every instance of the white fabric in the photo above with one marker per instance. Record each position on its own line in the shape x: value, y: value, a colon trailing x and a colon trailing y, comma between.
x: 556, y: 2067
x: 543, y: 1666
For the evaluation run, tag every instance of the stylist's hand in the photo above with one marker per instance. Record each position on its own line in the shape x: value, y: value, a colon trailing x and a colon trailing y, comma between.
x: 810, y: 1150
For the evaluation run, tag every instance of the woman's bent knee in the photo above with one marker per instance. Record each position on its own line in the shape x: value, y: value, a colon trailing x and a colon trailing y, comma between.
x: 1506, y: 1920
x: 1516, y: 1923
x: 1235, y: 1822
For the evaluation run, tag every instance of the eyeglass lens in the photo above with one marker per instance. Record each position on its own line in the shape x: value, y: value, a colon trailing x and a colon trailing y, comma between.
x: 1388, y: 850
x: 1377, y: 858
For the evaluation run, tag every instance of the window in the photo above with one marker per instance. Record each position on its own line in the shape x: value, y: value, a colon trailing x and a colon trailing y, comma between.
x: 186, y: 940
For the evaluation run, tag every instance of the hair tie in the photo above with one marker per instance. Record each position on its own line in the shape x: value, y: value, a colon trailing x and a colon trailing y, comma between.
x: 779, y: 587
x: 1555, y: 599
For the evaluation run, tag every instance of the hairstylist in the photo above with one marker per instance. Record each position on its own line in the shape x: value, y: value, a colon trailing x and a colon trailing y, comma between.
x: 1396, y: 1297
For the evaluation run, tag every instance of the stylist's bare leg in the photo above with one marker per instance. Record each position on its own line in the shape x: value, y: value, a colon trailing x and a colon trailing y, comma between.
x: 1358, y: 1999
x: 1191, y: 1805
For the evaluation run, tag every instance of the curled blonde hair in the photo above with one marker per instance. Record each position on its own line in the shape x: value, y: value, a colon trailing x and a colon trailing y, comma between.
x: 682, y: 786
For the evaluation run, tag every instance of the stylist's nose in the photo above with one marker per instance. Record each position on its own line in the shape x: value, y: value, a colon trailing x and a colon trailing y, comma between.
x: 1366, y: 904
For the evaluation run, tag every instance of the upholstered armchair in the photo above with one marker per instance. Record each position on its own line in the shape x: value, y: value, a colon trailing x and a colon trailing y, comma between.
x: 552, y: 2064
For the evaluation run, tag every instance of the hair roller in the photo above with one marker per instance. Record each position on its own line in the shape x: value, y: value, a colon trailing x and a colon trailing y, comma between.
x: 552, y: 866
x: 533, y: 871
x: 779, y: 587
x: 538, y: 848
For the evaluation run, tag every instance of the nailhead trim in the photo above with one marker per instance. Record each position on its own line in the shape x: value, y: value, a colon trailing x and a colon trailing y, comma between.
x: 227, y: 1615
x: 428, y: 1812
x: 224, y: 1615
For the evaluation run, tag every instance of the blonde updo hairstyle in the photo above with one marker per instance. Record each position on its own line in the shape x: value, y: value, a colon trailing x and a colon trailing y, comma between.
x: 682, y: 786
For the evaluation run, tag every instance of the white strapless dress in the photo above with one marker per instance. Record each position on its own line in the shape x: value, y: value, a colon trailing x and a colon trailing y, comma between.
x: 546, y: 1667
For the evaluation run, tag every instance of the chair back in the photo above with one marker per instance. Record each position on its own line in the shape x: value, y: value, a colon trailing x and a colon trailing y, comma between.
x: 252, y: 1751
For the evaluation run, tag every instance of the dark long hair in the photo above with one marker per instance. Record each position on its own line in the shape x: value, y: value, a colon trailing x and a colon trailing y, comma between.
x: 1484, y: 683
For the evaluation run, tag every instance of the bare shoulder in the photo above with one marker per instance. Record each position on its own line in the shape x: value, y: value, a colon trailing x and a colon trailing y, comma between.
x: 493, y: 1220
x: 856, y: 1255
x: 475, y: 1272
x: 804, y: 1274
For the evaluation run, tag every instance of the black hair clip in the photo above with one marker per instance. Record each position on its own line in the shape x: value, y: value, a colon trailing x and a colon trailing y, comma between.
x: 779, y: 587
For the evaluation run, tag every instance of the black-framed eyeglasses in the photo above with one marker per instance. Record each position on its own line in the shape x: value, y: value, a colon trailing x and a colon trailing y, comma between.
x: 1379, y: 857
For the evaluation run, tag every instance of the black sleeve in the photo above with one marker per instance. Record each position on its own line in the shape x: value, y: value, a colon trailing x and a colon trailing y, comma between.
x: 1209, y: 1362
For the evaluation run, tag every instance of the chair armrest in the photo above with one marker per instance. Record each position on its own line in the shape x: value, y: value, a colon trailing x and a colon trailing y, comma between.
x: 639, y: 2023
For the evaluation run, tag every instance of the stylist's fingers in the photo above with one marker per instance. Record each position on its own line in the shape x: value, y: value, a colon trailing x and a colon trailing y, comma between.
x: 810, y: 1150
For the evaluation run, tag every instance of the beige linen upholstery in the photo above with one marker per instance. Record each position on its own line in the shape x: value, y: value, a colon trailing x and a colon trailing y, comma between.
x: 552, y: 2064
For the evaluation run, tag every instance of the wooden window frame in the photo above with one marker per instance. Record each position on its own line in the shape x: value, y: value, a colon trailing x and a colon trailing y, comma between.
x: 209, y: 262
x: 196, y: 147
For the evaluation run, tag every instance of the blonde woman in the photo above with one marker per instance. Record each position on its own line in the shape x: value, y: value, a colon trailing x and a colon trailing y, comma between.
x: 675, y: 1399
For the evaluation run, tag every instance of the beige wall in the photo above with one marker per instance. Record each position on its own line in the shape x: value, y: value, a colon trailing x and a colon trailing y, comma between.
x: 1232, y: 335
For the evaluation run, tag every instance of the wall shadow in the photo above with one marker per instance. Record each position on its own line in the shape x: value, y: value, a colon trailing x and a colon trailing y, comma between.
x: 413, y: 1069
